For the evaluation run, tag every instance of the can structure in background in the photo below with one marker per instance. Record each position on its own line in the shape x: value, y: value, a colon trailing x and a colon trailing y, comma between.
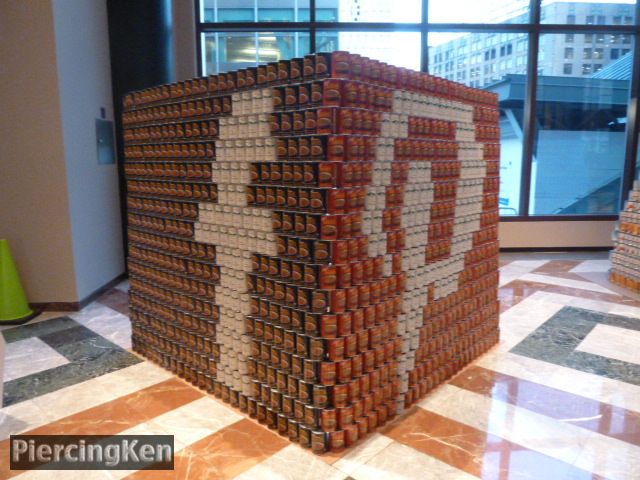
x: 625, y: 256
x: 314, y: 241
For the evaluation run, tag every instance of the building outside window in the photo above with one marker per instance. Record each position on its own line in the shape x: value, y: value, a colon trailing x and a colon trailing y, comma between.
x: 482, y: 59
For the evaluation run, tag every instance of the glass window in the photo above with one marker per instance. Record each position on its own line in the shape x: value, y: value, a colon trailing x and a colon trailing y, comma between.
x: 326, y: 14
x: 322, y: 14
x: 235, y: 15
x: 372, y: 11
x: 571, y: 108
x: 226, y: 51
x: 273, y: 46
x: 473, y: 11
x: 224, y: 11
x: 276, y: 15
x: 589, y: 12
x: 579, y: 142
x: 401, y: 49
x: 508, y: 79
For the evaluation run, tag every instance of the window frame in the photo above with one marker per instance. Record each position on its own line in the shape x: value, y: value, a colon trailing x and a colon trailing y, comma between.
x: 534, y: 29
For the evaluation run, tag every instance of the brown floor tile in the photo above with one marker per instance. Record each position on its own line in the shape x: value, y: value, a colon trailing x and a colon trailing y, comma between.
x: 186, y: 466
x: 115, y: 299
x: 557, y: 266
x: 222, y: 455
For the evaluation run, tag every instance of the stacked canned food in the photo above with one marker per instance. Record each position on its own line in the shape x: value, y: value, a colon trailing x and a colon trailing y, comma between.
x: 314, y: 240
x: 625, y: 257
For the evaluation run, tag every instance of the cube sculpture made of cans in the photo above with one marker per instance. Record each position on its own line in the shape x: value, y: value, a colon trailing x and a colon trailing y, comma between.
x: 625, y: 256
x: 314, y: 240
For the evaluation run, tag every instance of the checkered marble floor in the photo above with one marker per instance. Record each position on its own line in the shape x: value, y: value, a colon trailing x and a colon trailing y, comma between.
x: 558, y: 398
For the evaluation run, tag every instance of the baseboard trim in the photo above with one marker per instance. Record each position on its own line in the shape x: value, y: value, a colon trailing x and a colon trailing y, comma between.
x: 76, y: 306
x: 555, y: 249
x: 56, y: 306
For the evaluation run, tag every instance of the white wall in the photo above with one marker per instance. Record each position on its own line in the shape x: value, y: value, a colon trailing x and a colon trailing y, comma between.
x: 84, y: 76
x: 34, y: 201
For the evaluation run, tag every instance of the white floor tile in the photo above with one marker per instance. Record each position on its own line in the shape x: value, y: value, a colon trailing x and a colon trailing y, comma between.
x: 362, y: 453
x: 292, y: 463
x: 196, y: 420
x: 399, y: 462
x: 112, y: 325
x: 29, y: 356
x: 613, y: 342
x: 531, y: 430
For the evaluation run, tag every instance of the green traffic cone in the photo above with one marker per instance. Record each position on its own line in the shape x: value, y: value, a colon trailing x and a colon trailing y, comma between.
x: 14, y: 307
